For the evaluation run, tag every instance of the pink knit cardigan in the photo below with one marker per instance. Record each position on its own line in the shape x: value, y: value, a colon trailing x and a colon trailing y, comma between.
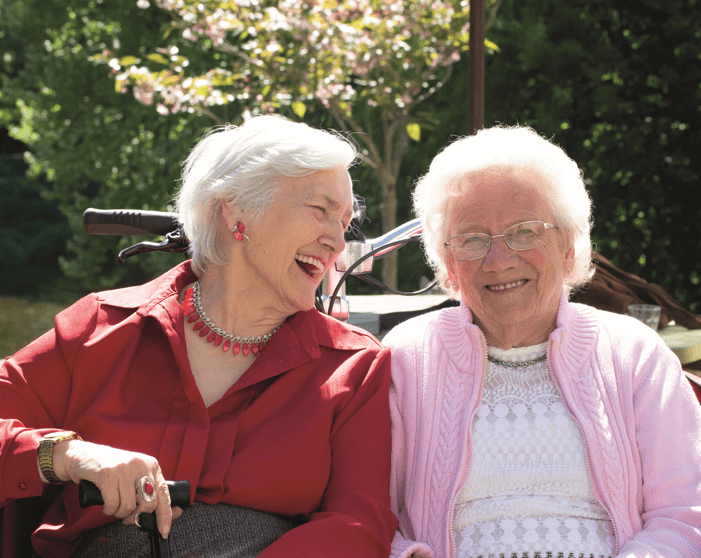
x: 639, y: 418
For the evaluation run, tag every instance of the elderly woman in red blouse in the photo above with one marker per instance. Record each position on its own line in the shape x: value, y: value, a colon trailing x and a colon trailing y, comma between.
x: 219, y: 372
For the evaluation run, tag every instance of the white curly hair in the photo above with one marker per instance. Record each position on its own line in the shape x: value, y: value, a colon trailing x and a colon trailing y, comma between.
x: 505, y: 152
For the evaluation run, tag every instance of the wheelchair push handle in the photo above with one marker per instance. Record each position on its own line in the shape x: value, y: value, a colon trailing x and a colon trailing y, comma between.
x: 127, y: 222
x: 89, y: 494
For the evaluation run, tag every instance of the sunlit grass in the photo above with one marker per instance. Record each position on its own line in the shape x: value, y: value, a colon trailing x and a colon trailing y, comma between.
x: 22, y: 321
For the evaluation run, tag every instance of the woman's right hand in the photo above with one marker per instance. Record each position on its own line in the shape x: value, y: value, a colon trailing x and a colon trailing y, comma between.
x: 117, y: 473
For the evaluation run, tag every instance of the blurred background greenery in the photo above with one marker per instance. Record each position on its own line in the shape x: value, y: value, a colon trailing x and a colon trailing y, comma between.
x: 616, y: 84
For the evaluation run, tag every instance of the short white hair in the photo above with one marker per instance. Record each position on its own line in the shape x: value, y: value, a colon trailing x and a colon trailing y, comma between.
x: 242, y: 166
x: 516, y: 152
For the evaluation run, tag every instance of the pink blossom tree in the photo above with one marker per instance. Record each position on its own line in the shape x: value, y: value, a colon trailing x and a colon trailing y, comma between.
x: 364, y: 60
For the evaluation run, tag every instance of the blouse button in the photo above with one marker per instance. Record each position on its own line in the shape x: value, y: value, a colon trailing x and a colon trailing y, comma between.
x: 22, y: 486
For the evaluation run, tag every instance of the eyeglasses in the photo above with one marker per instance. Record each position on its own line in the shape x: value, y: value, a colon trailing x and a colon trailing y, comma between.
x: 522, y: 236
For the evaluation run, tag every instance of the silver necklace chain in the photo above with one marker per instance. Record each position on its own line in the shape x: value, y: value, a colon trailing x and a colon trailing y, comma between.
x: 213, y: 327
x: 517, y: 364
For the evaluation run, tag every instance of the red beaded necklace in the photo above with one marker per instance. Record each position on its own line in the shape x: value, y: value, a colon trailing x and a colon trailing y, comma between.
x: 195, y: 314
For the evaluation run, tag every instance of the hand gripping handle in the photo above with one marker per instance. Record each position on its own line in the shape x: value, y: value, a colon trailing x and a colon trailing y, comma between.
x: 89, y: 494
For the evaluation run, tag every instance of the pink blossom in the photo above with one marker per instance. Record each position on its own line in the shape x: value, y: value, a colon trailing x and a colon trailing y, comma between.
x: 389, y: 52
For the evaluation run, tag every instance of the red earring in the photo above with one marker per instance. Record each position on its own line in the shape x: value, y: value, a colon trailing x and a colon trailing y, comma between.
x: 239, y: 232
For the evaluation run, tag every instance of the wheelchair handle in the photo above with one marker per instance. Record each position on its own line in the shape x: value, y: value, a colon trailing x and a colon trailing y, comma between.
x: 127, y: 222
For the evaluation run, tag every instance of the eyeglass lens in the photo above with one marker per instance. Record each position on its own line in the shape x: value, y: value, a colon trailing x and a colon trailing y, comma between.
x: 522, y: 236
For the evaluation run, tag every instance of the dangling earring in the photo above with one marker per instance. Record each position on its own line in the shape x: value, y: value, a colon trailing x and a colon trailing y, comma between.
x: 239, y: 232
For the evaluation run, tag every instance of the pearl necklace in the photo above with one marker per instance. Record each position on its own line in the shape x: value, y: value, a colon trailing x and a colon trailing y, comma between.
x: 194, y: 313
x: 517, y: 364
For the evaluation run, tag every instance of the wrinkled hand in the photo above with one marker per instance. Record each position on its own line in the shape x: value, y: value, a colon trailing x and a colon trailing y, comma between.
x: 116, y: 473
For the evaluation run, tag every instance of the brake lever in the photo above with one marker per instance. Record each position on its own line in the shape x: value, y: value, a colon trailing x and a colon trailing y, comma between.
x: 174, y: 241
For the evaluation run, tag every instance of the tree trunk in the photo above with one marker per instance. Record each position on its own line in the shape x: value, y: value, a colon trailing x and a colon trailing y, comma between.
x: 385, y: 160
x: 388, y: 209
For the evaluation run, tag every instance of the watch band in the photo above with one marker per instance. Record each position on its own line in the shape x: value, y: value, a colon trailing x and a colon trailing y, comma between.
x: 45, y: 454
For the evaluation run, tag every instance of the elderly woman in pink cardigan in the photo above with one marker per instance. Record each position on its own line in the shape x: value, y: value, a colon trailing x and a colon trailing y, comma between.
x: 525, y: 425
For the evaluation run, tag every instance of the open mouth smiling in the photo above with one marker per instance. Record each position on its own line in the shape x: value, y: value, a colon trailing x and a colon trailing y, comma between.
x: 311, y: 265
x: 507, y: 286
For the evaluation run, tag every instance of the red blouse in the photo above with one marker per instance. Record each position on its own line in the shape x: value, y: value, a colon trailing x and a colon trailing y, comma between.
x: 305, y: 430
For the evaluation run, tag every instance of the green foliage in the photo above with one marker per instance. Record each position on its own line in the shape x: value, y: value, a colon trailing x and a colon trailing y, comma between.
x: 97, y: 148
x: 618, y: 86
x: 23, y: 320
x: 33, y: 231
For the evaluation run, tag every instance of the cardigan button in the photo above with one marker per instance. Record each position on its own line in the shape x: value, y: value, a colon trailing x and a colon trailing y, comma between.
x: 22, y: 486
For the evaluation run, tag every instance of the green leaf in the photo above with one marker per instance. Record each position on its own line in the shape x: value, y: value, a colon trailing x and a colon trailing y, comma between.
x: 299, y: 108
x: 491, y: 45
x: 159, y: 58
x: 414, y: 131
x: 170, y: 80
x: 128, y: 61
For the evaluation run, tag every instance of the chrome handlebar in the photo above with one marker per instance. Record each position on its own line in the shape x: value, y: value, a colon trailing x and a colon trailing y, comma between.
x: 380, y: 246
x: 357, y: 259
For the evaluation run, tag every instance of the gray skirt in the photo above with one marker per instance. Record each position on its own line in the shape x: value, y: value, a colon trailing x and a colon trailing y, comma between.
x: 205, y: 531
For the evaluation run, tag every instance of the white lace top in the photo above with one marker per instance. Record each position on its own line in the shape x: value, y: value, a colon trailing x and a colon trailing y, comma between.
x: 528, y: 492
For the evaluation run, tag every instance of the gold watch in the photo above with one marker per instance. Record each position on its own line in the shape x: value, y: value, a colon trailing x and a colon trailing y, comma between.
x: 45, y: 453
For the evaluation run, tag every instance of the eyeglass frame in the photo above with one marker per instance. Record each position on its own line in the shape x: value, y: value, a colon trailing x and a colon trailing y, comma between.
x: 547, y: 226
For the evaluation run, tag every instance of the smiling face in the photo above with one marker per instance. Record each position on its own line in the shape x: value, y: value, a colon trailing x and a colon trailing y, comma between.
x: 513, y: 295
x: 299, y: 238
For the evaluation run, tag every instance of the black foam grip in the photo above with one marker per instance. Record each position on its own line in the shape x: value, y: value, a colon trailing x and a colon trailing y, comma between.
x: 126, y: 222
x: 89, y: 494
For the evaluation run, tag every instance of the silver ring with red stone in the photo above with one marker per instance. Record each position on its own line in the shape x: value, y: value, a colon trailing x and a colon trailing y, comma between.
x: 146, y: 489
